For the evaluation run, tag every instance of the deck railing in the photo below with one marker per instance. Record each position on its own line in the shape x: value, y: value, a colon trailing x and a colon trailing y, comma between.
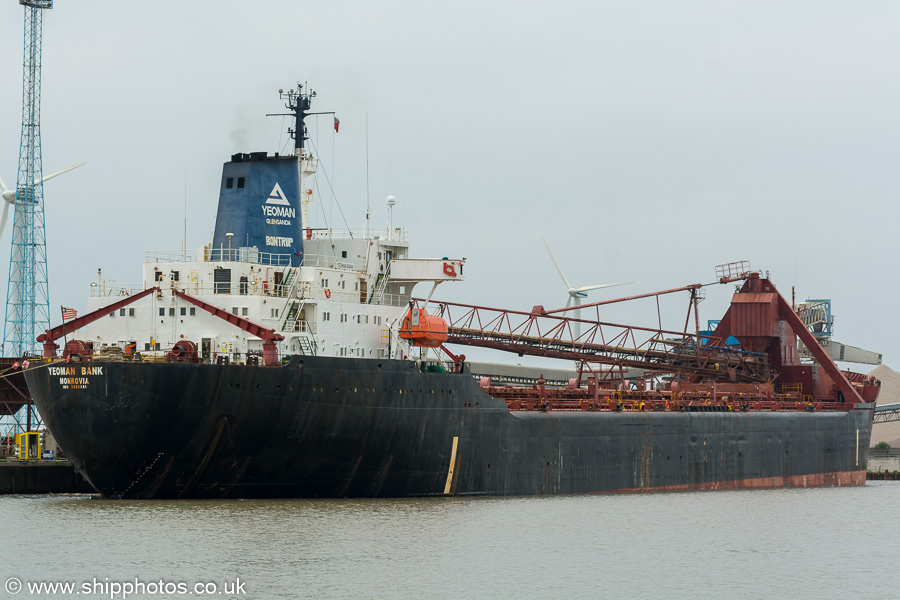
x: 301, y: 291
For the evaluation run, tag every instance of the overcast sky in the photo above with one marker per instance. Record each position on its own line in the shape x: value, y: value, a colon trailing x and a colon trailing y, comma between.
x: 646, y: 141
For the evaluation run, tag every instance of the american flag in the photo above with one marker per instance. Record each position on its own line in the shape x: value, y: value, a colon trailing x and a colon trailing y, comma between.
x: 69, y: 313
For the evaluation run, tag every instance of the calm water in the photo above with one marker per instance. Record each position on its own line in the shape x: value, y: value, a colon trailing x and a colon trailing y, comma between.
x: 821, y: 543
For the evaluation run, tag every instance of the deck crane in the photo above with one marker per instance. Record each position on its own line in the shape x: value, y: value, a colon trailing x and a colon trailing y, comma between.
x: 267, y: 335
x: 49, y: 337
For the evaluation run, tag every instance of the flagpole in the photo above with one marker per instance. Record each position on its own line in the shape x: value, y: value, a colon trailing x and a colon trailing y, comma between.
x: 62, y: 310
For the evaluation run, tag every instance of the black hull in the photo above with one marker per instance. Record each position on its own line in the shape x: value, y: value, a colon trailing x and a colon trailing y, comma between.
x: 336, y: 427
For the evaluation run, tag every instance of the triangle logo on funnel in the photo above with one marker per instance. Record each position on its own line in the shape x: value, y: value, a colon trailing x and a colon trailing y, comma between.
x: 277, y: 197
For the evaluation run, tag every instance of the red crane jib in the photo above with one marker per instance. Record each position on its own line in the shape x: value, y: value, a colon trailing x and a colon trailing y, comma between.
x: 268, y: 336
x: 50, y: 336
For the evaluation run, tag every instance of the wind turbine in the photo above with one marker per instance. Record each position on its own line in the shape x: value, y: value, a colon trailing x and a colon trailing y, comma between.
x: 576, y: 294
x: 9, y: 196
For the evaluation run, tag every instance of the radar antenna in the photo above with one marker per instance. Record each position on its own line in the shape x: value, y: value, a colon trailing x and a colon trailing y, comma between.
x: 299, y: 104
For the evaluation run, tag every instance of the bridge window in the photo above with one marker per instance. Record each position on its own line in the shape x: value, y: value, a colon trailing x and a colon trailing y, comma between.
x: 130, y: 312
x: 183, y: 311
x: 229, y: 183
x: 172, y: 311
x: 158, y: 275
x: 162, y: 312
x: 121, y: 312
x: 240, y: 182
x: 193, y: 311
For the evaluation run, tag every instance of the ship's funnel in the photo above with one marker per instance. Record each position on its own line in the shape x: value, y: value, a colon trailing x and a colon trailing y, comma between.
x: 259, y: 202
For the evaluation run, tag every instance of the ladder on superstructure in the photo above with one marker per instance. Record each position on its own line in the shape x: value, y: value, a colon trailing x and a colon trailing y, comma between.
x: 292, y: 317
x: 381, y: 286
x: 287, y: 284
x: 308, y: 345
x: 293, y: 323
x: 290, y: 304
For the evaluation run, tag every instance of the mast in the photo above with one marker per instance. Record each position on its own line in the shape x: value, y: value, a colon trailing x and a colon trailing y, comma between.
x: 299, y: 103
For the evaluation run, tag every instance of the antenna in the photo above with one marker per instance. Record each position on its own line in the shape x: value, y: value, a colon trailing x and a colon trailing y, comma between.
x: 367, y: 174
x: 184, y: 239
x: 299, y: 104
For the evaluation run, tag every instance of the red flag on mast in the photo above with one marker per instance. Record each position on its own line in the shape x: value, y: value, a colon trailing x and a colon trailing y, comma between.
x: 336, y: 124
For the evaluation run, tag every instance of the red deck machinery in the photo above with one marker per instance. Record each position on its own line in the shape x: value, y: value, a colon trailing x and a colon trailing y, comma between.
x: 764, y: 368
x: 268, y: 336
x: 79, y: 347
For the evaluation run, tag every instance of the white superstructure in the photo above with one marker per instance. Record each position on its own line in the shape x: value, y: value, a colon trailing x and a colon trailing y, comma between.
x: 342, y: 301
x: 345, y: 298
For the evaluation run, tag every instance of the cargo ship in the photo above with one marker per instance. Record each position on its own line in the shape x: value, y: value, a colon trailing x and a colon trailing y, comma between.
x: 282, y: 360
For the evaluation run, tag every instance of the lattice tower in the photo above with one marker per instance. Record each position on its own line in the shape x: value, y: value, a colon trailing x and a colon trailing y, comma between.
x: 27, y: 296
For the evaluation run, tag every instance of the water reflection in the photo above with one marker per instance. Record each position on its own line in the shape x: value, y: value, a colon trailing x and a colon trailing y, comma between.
x: 741, y: 544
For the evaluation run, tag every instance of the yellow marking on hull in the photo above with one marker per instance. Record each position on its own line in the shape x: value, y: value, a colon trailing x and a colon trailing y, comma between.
x: 452, y: 462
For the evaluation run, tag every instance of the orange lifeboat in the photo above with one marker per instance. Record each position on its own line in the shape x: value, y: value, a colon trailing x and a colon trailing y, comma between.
x: 422, y: 329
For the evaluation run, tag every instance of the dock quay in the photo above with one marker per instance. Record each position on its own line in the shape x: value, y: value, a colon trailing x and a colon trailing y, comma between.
x: 884, y: 464
x: 41, y: 477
